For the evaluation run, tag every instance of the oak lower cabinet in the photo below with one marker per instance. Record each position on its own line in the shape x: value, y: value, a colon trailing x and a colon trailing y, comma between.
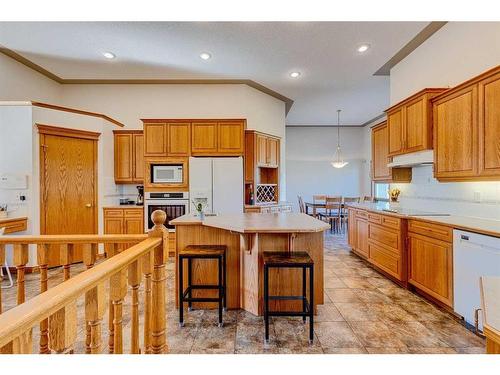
x: 129, y: 156
x: 358, y: 232
x: 127, y: 220
x: 430, y: 257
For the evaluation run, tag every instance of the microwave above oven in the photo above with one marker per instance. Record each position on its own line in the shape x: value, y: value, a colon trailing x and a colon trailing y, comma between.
x: 167, y: 173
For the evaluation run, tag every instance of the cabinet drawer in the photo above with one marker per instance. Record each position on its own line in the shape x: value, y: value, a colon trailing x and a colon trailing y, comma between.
x: 113, y: 213
x: 385, y: 237
x: 361, y: 214
x: 385, y: 260
x: 15, y: 226
x: 134, y: 212
x: 391, y: 222
x: 437, y: 231
x: 374, y: 218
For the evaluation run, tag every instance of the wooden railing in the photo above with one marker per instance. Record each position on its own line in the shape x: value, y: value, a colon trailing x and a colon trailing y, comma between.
x: 55, y: 309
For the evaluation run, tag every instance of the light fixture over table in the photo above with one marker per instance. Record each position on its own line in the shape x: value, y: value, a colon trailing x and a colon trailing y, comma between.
x: 338, y: 161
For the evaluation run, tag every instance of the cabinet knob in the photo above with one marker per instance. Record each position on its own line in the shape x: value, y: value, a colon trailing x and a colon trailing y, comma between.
x: 88, y: 205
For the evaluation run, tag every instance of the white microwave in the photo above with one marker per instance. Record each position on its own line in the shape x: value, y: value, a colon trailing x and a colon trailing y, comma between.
x: 167, y: 173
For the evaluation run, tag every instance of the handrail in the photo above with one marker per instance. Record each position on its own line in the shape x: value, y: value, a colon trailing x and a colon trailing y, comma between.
x: 23, y: 317
x: 74, y: 238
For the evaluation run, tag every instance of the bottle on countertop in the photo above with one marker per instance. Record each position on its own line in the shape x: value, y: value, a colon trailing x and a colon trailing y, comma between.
x: 251, y: 196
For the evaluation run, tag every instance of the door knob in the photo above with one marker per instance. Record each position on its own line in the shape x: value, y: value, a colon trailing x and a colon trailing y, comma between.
x: 88, y: 205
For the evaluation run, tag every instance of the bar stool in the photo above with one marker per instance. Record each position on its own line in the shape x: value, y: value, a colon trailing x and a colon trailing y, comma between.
x: 296, y: 259
x: 191, y: 252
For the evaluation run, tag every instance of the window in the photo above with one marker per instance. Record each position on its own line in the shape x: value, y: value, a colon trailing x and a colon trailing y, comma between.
x: 382, y: 192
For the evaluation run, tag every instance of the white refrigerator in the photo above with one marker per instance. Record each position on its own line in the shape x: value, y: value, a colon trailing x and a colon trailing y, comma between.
x: 217, y: 181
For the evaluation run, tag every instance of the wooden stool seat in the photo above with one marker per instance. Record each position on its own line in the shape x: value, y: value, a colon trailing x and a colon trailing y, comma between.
x: 201, y: 250
x: 296, y: 258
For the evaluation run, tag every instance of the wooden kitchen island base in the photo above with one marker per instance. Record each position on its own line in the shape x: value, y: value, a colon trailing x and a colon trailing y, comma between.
x: 247, y: 236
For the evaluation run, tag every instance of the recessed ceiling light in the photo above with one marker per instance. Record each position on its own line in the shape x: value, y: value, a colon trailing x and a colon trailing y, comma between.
x: 205, y: 55
x: 295, y: 74
x: 109, y: 55
x: 363, y: 48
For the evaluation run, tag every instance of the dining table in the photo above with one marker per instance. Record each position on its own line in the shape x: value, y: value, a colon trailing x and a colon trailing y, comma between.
x: 314, y: 206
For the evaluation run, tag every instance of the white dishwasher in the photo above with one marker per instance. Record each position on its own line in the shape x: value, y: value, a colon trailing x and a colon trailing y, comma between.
x: 474, y: 255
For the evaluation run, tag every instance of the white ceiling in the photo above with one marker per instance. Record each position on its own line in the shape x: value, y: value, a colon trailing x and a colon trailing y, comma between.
x: 334, y: 74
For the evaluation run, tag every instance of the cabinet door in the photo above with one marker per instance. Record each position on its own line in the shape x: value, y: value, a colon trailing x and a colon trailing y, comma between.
x: 417, y: 132
x: 112, y: 225
x: 231, y: 138
x: 249, y: 156
x: 155, y: 139
x: 179, y: 139
x: 204, y: 138
x: 489, y: 126
x: 351, y: 231
x: 123, y: 158
x: 272, y: 152
x: 455, y: 135
x: 261, y: 142
x: 396, y: 135
x: 431, y: 267
x: 380, y: 150
x: 138, y: 140
x: 362, y: 237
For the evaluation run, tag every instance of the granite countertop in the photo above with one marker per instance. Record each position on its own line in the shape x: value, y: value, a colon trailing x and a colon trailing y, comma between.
x: 257, y: 223
x: 472, y: 224
x: 490, y: 290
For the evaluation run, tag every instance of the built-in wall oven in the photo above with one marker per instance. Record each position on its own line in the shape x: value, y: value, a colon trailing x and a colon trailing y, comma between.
x: 174, y: 204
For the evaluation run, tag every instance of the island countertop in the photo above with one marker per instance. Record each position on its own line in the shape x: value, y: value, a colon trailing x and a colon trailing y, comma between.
x: 257, y: 222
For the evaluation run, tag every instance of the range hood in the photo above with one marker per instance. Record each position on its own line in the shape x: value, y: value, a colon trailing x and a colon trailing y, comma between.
x: 413, y: 159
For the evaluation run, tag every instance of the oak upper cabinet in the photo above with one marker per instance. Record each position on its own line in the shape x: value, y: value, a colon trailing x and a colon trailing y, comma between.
x: 155, y: 139
x: 380, y: 157
x: 203, y: 138
x: 272, y: 152
x: 410, y: 123
x: 231, y: 138
x: 431, y: 260
x: 489, y: 126
x: 179, y: 139
x: 128, y: 156
x: 261, y: 152
x: 267, y: 150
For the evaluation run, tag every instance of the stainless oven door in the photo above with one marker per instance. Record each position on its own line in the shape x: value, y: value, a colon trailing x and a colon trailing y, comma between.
x: 173, y: 209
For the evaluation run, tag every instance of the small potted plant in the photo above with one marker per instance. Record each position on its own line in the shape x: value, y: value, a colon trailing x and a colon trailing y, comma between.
x: 394, y: 196
x: 199, y: 205
x: 3, y: 211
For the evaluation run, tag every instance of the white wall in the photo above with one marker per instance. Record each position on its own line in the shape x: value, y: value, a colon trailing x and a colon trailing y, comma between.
x: 457, y: 52
x: 309, y: 152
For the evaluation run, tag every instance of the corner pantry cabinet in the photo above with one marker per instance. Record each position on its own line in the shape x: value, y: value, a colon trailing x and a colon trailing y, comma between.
x: 129, y: 156
x: 410, y: 123
x: 467, y: 130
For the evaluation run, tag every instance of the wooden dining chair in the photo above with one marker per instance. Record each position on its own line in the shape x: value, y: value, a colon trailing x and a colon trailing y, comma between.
x: 368, y: 198
x: 302, y: 206
x: 332, y: 214
x: 319, y: 199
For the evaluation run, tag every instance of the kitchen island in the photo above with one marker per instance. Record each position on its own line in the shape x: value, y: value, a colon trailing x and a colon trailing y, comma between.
x: 247, y: 236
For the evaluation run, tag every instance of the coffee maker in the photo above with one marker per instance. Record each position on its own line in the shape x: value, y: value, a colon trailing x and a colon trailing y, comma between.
x: 140, y: 195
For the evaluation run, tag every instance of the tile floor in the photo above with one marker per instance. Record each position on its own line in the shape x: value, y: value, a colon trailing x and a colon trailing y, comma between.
x: 363, y: 313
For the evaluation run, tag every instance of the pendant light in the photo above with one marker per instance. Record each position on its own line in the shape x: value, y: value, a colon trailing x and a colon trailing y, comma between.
x: 338, y: 161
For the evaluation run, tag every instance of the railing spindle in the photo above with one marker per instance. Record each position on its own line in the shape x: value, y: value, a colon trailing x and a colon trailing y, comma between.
x: 66, y: 251
x: 118, y: 291
x: 95, y: 306
x: 63, y: 328
x: 2, y: 260
x: 158, y: 323
x: 134, y: 280
x: 89, y: 253
x: 111, y: 251
x: 20, y: 261
x: 147, y: 269
x: 43, y: 262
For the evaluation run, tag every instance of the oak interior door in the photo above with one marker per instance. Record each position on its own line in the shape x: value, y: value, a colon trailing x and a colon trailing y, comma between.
x: 68, y: 188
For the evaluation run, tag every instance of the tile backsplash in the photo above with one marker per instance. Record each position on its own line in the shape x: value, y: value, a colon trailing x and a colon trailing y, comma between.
x: 477, y: 199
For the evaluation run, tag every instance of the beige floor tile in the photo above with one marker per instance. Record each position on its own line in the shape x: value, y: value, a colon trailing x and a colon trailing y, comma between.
x: 328, y: 313
x: 336, y: 335
x: 357, y: 283
x: 376, y: 335
x: 357, y: 312
x: 454, y: 334
x: 400, y: 350
x: 438, y: 350
x: 372, y: 296
x: 343, y: 295
x: 415, y: 335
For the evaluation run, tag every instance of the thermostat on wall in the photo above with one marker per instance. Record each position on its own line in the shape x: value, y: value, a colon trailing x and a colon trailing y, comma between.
x: 13, y: 181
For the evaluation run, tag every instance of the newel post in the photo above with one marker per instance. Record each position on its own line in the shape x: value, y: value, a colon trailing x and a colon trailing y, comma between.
x: 158, y: 321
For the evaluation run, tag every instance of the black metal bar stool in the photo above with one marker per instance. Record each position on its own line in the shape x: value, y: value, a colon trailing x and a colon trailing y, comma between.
x: 191, y: 252
x: 295, y: 259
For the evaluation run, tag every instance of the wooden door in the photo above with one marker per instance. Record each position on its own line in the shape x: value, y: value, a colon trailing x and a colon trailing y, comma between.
x: 155, y: 139
x: 380, y: 152
x: 430, y: 267
x: 124, y: 157
x: 417, y: 132
x: 203, y: 138
x: 396, y: 134
x: 68, y: 184
x: 231, y: 138
x: 456, y: 135
x: 138, y: 142
x: 261, y: 143
x: 362, y: 237
x: 489, y: 126
x: 272, y: 151
x: 179, y: 139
